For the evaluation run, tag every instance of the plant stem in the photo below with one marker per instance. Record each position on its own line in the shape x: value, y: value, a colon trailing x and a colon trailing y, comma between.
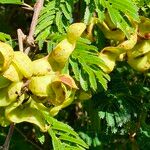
x: 37, y: 8
x: 26, y: 139
x: 8, y: 138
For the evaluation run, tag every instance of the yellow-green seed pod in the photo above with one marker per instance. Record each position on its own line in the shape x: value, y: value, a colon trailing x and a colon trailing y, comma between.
x: 6, y: 56
x: 139, y: 49
x: 55, y: 110
x: 62, y: 51
x: 61, y: 89
x: 40, y: 86
x: 13, y: 74
x: 116, y: 35
x: 41, y: 67
x: 108, y: 21
x: 109, y: 62
x: 138, y: 56
x: 60, y: 54
x: 19, y: 112
x: 144, y: 28
x: 74, y: 31
x: 24, y: 64
x: 4, y: 82
x: 14, y: 90
x: 129, y: 43
x: 140, y: 63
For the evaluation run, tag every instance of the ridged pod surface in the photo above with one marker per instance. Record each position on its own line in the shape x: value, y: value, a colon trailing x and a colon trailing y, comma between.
x: 74, y: 31
x: 144, y: 28
x: 13, y: 73
x: 109, y: 62
x: 14, y: 90
x: 138, y: 57
x: 40, y: 86
x: 61, y: 89
x: 60, y: 54
x: 23, y: 62
x: 116, y: 35
x: 41, y: 67
x: 6, y: 56
x: 25, y: 113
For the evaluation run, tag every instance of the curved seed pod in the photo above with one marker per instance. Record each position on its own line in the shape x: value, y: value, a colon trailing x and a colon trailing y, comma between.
x: 82, y: 95
x: 130, y: 43
x: 139, y: 49
x: 23, y: 62
x: 108, y: 21
x: 4, y: 82
x: 61, y: 89
x: 4, y: 100
x: 74, y: 31
x: 109, y: 56
x: 13, y: 73
x: 18, y: 112
x: 6, y: 56
x: 55, y: 110
x: 89, y: 30
x: 63, y: 50
x: 3, y: 121
x: 140, y: 63
x: 60, y: 54
x: 14, y: 90
x: 116, y: 35
x: 144, y: 28
x: 109, y: 62
x: 41, y: 67
x: 40, y: 86
x: 138, y: 57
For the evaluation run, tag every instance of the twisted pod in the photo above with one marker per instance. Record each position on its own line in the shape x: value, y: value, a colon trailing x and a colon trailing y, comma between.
x: 29, y: 88
x: 139, y: 56
x: 6, y: 56
x: 63, y: 50
x: 109, y: 55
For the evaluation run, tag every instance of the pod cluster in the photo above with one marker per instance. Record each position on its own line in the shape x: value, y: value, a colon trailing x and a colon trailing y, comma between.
x: 135, y: 50
x: 29, y: 88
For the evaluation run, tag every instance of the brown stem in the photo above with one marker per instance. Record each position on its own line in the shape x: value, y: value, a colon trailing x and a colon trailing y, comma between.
x: 37, y: 8
x: 8, y: 138
x: 29, y: 40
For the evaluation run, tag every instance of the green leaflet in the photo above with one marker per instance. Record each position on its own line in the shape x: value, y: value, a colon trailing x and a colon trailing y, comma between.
x: 127, y: 7
x: 66, y: 135
x: 110, y: 119
x: 55, y: 16
x: 56, y: 141
x: 65, y: 11
x: 59, y: 22
x: 11, y: 1
x: 85, y: 66
x: 75, y: 68
x: 119, y: 21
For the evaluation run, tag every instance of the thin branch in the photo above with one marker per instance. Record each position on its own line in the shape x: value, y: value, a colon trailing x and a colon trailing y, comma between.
x: 37, y: 8
x: 21, y: 38
x: 8, y: 138
x: 26, y: 139
x: 29, y: 40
